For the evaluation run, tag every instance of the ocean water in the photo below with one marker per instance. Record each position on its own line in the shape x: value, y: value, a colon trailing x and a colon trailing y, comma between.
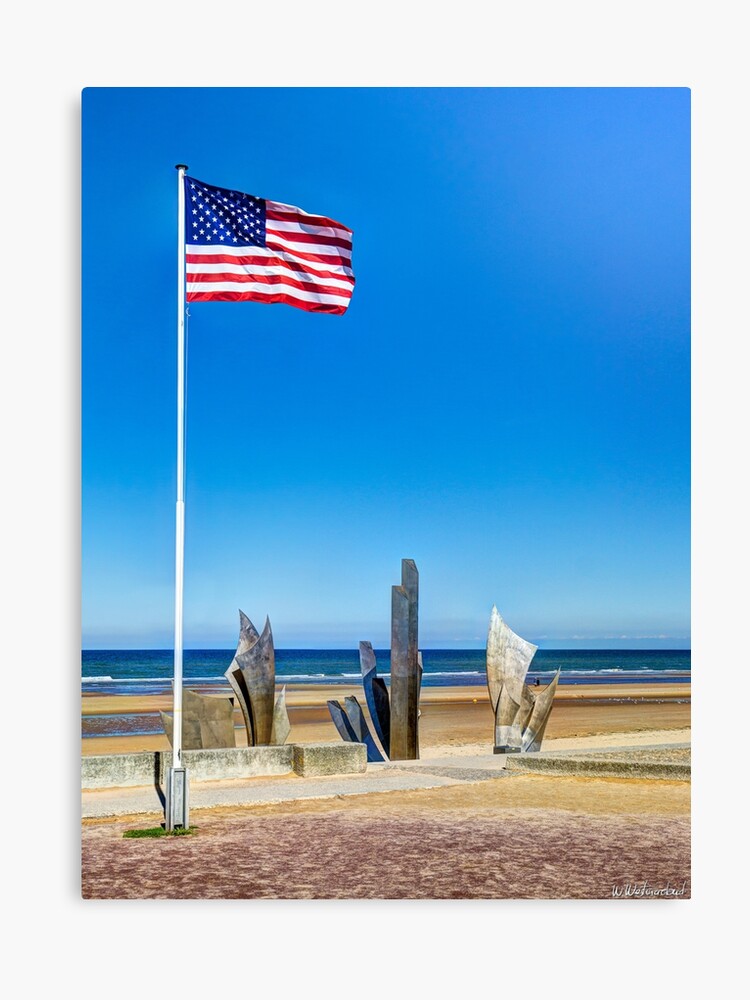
x: 149, y: 671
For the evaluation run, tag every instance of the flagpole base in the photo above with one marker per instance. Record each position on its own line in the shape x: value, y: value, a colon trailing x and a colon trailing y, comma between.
x: 176, y: 810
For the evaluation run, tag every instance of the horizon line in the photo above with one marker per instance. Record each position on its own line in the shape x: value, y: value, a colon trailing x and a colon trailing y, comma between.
x: 338, y: 649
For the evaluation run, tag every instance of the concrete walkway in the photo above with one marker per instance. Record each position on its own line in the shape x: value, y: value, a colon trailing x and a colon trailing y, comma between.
x: 264, y: 791
x: 435, y: 772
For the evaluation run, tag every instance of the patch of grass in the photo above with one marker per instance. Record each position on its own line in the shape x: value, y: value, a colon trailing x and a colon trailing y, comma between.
x: 159, y: 831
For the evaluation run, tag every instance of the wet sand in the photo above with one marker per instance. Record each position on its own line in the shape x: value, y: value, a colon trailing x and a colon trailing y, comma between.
x: 452, y: 717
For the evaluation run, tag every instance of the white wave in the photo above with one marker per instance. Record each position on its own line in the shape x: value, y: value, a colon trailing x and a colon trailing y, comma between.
x: 573, y: 672
x: 304, y: 677
x: 348, y: 677
x: 454, y: 673
x: 151, y: 680
x: 627, y: 671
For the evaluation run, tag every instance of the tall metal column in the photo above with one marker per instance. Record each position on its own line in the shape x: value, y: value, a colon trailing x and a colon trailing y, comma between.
x: 405, y: 664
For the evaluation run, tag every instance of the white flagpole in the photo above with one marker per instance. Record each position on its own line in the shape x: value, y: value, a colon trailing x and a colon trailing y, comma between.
x: 176, y: 812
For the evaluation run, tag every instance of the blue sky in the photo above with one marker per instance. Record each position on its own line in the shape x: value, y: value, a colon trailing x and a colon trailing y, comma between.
x: 507, y: 399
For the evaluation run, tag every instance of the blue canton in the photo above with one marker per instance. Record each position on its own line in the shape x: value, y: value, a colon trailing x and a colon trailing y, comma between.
x: 218, y: 216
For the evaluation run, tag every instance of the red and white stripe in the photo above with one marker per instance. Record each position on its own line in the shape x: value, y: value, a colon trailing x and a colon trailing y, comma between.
x: 306, y: 263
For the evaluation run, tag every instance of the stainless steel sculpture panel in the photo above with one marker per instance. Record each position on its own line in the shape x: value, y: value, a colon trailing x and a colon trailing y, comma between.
x: 520, y: 713
x: 252, y: 676
x: 248, y: 637
x: 341, y: 722
x: 361, y: 729
x: 508, y: 659
x: 410, y: 583
x: 399, y: 672
x: 237, y: 683
x: 405, y: 674
x: 376, y: 695
x: 191, y: 731
x: 527, y: 706
x: 280, y: 728
x: 248, y: 633
x: 532, y: 738
x: 207, y: 722
x: 257, y: 665
x: 507, y: 730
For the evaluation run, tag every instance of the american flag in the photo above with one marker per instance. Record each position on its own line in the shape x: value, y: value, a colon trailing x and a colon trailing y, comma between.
x: 240, y: 248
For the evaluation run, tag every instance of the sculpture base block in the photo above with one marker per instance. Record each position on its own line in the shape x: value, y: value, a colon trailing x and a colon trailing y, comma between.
x: 506, y: 749
x: 176, y: 810
x: 315, y: 759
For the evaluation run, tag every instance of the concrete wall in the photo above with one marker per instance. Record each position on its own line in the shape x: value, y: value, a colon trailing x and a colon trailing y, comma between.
x: 593, y: 767
x: 150, y: 768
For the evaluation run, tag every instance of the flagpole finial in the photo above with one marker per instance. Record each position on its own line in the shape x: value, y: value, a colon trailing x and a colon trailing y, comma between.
x: 181, y: 166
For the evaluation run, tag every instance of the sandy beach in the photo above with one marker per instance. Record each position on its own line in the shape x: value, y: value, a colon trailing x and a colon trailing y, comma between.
x: 454, y: 719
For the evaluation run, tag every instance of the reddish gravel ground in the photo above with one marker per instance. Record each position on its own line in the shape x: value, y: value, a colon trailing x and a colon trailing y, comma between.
x: 458, y: 843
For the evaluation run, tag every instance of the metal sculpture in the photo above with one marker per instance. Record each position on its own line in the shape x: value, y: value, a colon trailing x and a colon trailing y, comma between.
x: 532, y: 737
x: 376, y: 696
x: 341, y: 722
x: 207, y: 722
x: 521, y: 714
x: 257, y: 666
x: 352, y: 726
x: 395, y: 719
x: 281, y: 726
x: 361, y: 729
x: 405, y: 672
x: 252, y: 676
x: 248, y: 637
